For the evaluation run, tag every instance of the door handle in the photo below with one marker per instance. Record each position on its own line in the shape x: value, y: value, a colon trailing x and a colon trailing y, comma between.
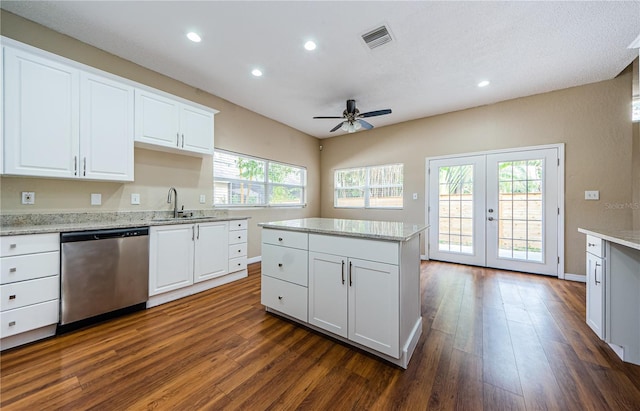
x: 177, y: 139
x: 350, y: 275
x: 75, y: 165
x: 198, y: 237
x: 342, y: 271
x: 182, y: 140
x: 84, y: 170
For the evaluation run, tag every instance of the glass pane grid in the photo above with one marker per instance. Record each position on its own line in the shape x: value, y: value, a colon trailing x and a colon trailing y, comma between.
x: 455, y: 209
x: 520, y: 210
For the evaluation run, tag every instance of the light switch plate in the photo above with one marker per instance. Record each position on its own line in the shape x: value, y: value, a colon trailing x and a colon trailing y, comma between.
x: 203, y: 198
x: 592, y: 195
x: 135, y: 198
x: 96, y: 199
x: 28, y: 197
x: 415, y: 196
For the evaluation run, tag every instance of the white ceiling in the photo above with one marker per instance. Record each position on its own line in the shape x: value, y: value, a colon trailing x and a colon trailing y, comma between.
x: 440, y: 50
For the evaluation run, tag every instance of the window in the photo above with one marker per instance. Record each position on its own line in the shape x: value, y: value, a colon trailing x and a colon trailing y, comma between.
x: 249, y: 181
x: 369, y: 187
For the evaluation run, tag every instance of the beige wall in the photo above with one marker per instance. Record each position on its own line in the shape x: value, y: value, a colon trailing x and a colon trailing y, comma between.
x: 593, y: 121
x: 236, y: 129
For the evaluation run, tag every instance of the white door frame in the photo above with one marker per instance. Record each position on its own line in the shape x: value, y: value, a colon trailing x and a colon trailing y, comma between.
x: 561, y: 212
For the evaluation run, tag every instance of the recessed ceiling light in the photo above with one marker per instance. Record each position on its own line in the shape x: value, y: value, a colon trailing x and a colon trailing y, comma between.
x: 256, y: 72
x: 484, y: 83
x: 310, y: 45
x: 194, y: 37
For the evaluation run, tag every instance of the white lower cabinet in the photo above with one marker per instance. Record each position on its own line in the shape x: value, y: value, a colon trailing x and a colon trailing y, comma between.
x: 595, y: 286
x: 188, y: 258
x: 350, y: 287
x: 29, y: 288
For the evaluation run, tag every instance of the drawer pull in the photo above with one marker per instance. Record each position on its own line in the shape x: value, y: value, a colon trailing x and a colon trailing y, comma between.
x: 279, y: 264
x: 239, y: 251
x: 279, y: 238
x: 12, y: 323
x: 239, y: 237
x: 12, y: 297
x: 13, y: 245
x: 12, y: 270
x: 590, y: 245
x: 280, y: 297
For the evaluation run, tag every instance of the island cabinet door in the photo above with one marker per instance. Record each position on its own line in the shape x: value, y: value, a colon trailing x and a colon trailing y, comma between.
x: 374, y: 301
x: 328, y: 292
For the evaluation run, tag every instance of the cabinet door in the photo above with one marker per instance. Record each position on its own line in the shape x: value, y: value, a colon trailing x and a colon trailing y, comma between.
x: 196, y: 130
x: 41, y: 116
x: 106, y: 129
x: 156, y: 120
x: 374, y: 305
x: 211, y: 251
x: 170, y: 257
x: 328, y: 292
x: 595, y: 294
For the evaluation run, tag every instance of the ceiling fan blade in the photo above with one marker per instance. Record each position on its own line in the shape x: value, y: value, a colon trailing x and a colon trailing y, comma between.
x: 328, y: 117
x: 375, y: 113
x: 365, y: 125
x: 351, y: 106
x: 335, y: 128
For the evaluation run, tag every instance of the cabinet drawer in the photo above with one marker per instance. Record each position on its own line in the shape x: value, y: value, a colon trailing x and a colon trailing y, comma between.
x: 237, y: 264
x: 237, y: 250
x: 236, y: 237
x: 595, y: 246
x: 28, y: 244
x: 236, y: 225
x: 28, y: 318
x: 372, y: 250
x: 28, y: 267
x: 16, y: 295
x: 285, y: 238
x: 285, y: 263
x: 290, y: 299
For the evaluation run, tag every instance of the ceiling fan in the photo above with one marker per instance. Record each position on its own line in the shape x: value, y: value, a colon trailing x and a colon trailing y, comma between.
x: 353, y: 119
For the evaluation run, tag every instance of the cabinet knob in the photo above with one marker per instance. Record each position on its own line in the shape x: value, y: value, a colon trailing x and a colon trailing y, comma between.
x: 12, y: 269
x: 280, y: 297
x: 12, y: 323
x: 279, y: 264
x: 590, y: 245
x: 279, y: 238
x: 12, y: 297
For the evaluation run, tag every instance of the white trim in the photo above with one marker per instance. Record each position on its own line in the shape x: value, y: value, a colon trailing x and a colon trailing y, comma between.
x: 574, y: 277
x: 561, y: 201
x: 256, y: 259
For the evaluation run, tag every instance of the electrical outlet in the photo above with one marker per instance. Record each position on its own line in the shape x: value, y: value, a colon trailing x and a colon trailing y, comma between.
x: 415, y: 196
x: 28, y: 197
x: 96, y: 199
x: 203, y: 198
x: 135, y: 198
x: 592, y: 195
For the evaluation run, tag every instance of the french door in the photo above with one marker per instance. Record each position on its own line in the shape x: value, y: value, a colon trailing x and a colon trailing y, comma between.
x: 497, y: 210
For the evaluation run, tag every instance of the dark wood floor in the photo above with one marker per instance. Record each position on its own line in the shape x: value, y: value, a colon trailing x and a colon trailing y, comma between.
x: 491, y: 340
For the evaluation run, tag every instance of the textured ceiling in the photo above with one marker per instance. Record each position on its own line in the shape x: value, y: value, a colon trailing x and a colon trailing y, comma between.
x: 439, y: 52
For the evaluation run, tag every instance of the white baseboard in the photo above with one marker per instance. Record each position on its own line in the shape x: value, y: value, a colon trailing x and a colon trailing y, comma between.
x: 575, y: 277
x: 254, y: 259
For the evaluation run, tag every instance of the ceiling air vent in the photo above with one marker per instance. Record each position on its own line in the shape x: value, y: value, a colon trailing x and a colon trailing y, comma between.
x: 377, y: 37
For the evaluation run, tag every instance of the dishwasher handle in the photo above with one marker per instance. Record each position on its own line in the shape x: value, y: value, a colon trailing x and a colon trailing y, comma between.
x: 103, y: 234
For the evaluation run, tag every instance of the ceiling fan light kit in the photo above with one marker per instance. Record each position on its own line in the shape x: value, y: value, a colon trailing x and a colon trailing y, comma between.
x: 353, y: 119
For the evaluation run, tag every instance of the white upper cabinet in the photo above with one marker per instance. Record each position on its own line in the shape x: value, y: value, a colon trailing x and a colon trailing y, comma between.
x: 167, y: 124
x: 41, y: 116
x: 62, y: 122
x: 106, y: 128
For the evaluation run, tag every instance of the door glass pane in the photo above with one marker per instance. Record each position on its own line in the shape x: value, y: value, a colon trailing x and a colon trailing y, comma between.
x: 455, y: 204
x: 520, y: 210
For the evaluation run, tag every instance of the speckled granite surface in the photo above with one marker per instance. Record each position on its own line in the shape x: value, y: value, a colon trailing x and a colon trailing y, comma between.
x: 629, y: 238
x: 16, y: 224
x: 381, y: 230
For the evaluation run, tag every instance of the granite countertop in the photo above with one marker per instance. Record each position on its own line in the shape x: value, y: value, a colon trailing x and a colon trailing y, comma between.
x: 629, y: 238
x: 66, y: 222
x: 380, y: 230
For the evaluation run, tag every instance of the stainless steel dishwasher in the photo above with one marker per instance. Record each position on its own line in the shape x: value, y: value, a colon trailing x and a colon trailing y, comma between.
x: 103, y: 273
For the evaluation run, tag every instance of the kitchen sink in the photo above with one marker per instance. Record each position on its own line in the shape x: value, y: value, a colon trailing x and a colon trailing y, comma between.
x: 180, y: 218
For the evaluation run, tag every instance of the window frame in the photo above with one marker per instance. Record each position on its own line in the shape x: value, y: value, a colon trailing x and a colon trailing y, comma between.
x: 266, y: 183
x: 366, y: 188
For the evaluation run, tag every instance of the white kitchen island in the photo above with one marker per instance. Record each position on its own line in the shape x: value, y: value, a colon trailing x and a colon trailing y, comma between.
x: 355, y: 280
x: 613, y: 289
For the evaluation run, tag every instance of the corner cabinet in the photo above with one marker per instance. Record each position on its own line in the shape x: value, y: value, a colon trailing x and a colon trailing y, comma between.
x: 363, y: 291
x: 187, y: 258
x: 63, y: 122
x: 167, y: 124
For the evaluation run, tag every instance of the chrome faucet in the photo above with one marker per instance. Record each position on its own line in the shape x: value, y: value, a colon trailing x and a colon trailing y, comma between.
x: 175, y: 204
